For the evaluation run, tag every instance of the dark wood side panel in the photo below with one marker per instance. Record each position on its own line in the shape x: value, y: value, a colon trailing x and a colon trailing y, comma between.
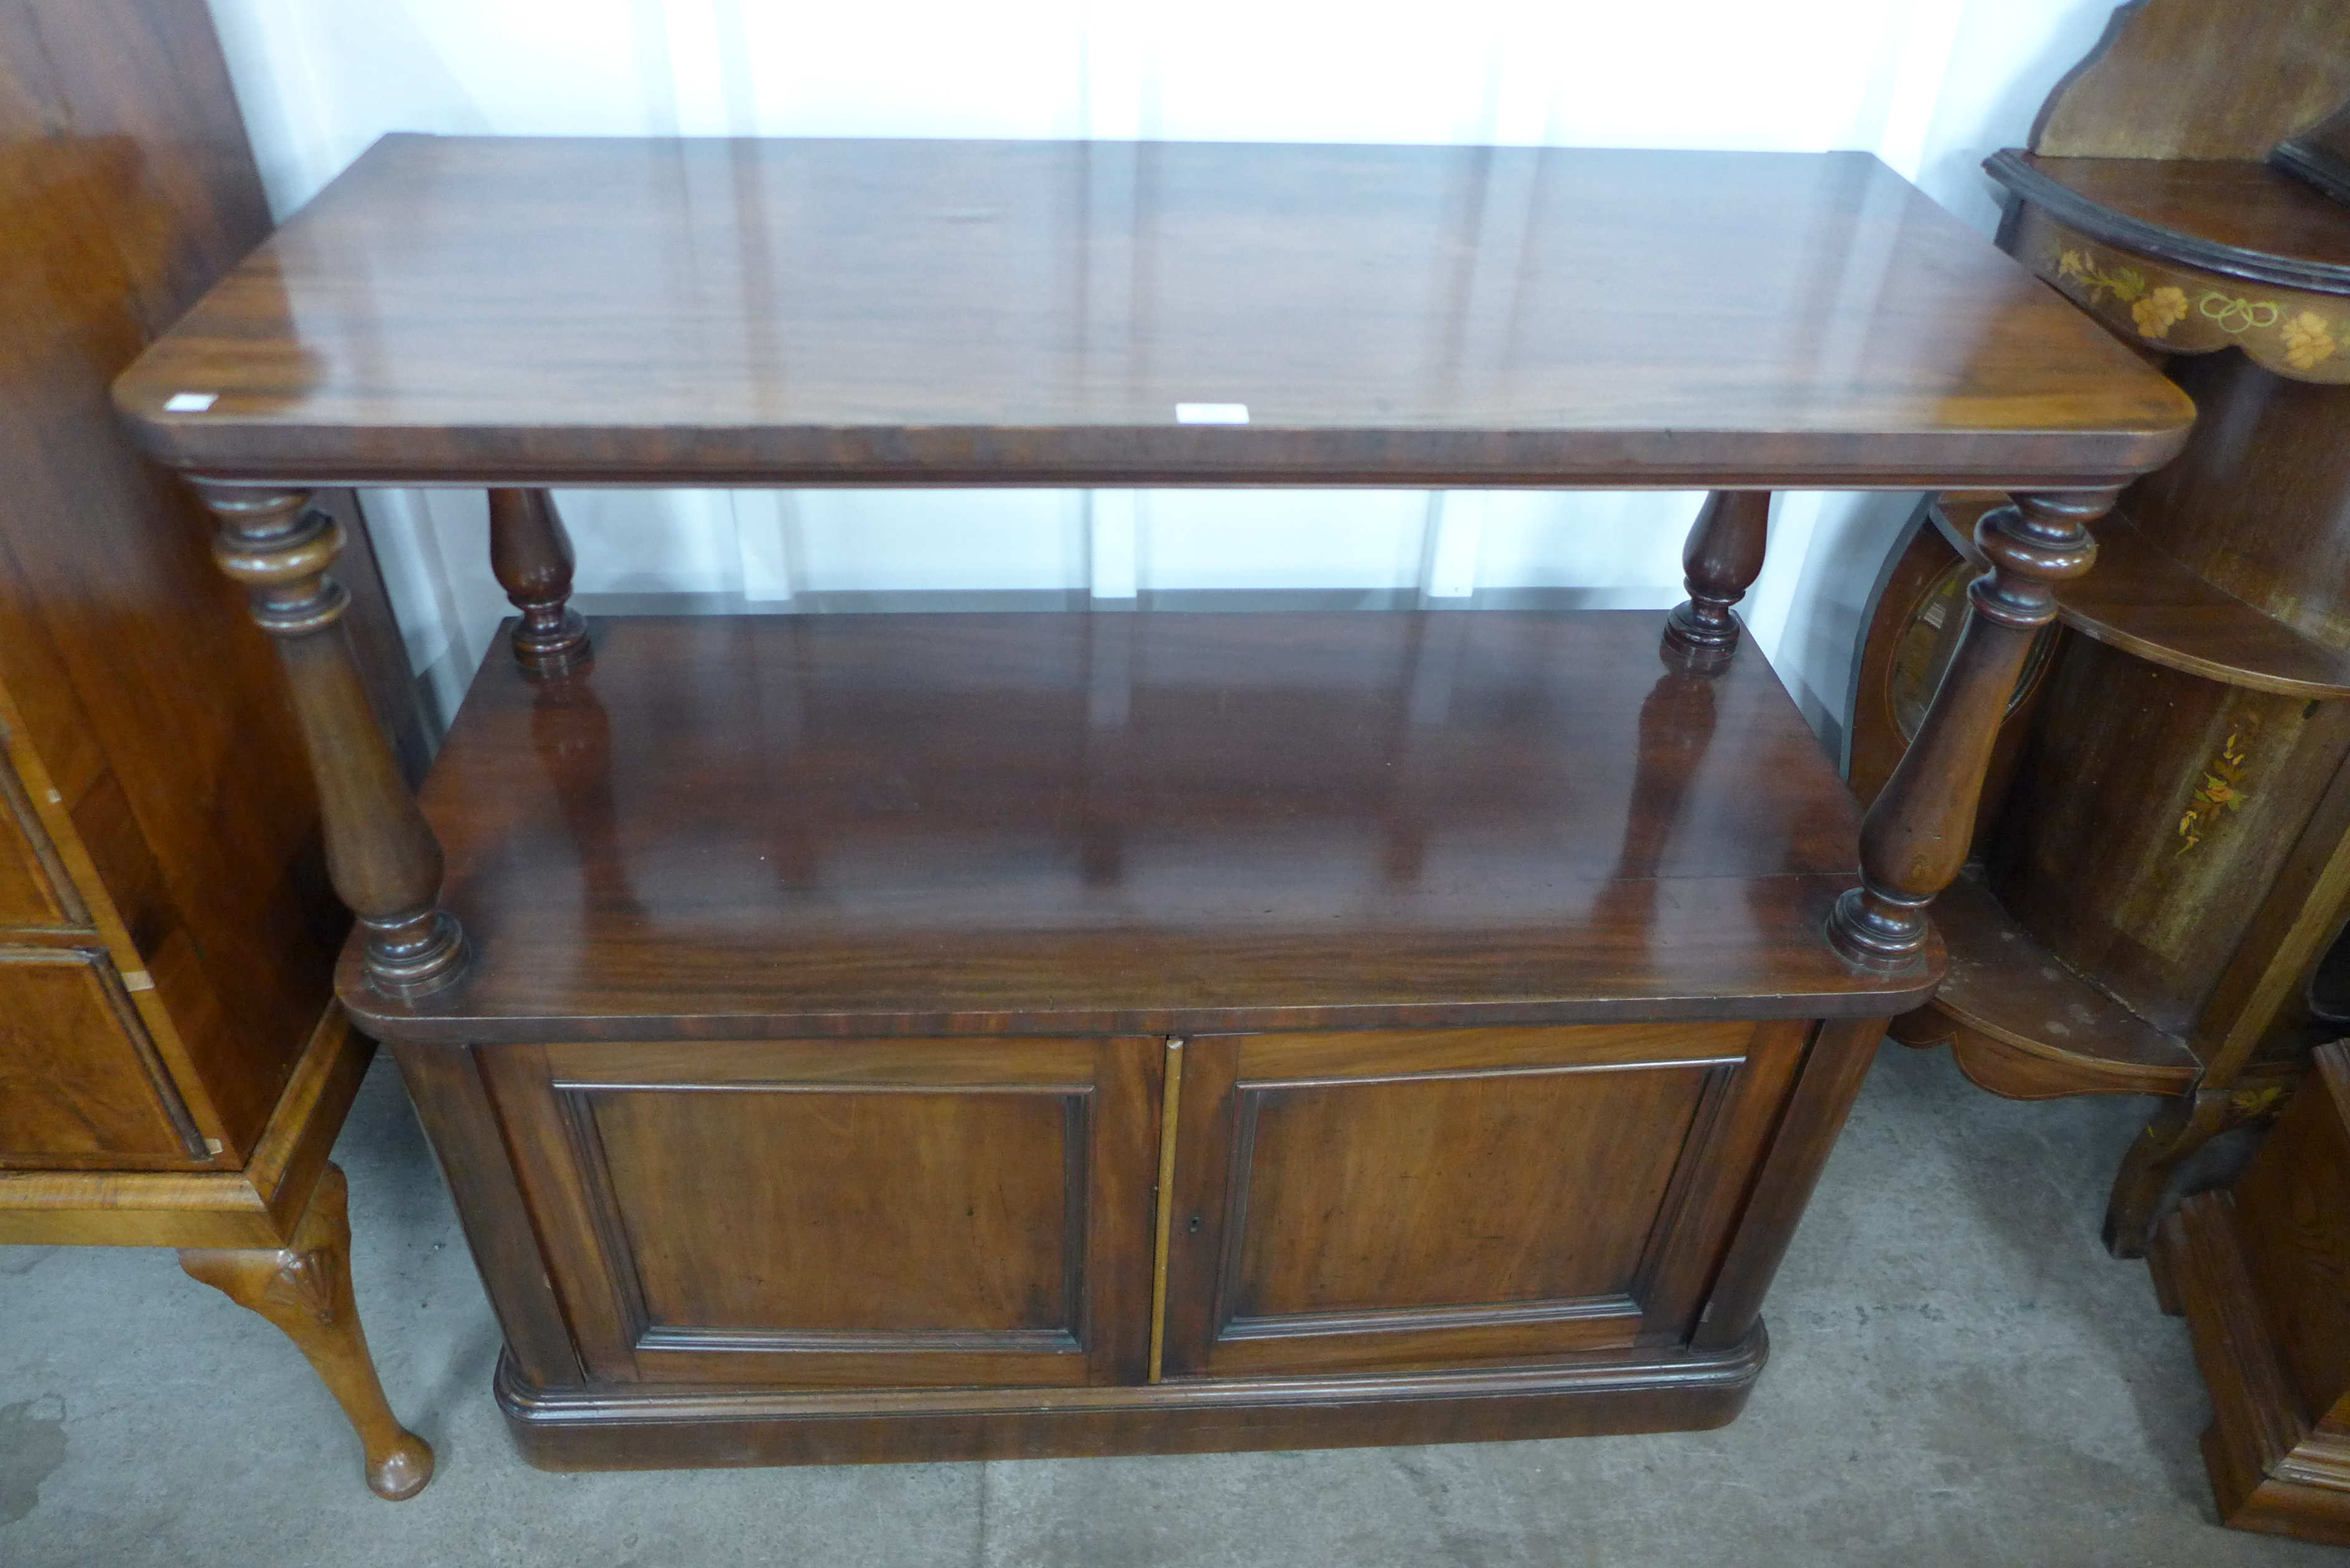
x: 80, y: 1081
x: 2290, y: 1204
x: 452, y: 1101
x: 2151, y: 815
x: 1835, y: 1059
x: 2186, y: 80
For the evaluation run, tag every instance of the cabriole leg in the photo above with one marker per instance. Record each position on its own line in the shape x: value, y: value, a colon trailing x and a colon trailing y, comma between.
x: 2179, y: 1129
x: 530, y: 553
x: 385, y: 863
x: 305, y: 1291
x: 1723, y: 558
x: 1914, y: 839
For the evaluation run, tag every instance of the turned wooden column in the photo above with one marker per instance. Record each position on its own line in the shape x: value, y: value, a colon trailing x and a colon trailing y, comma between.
x: 1914, y: 840
x: 381, y: 854
x: 305, y: 1289
x: 1721, y: 560
x: 530, y: 553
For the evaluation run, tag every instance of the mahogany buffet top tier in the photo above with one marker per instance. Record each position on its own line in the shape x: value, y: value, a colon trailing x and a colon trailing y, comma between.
x: 525, y: 311
x: 1300, y: 824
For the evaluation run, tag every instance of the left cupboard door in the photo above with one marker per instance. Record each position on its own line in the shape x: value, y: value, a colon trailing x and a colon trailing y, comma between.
x: 837, y: 1214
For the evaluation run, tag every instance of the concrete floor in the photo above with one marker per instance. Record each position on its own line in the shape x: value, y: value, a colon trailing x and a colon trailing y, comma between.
x: 1958, y: 1375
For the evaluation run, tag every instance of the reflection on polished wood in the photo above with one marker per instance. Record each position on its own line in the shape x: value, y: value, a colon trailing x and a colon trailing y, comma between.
x: 516, y: 310
x: 834, y: 825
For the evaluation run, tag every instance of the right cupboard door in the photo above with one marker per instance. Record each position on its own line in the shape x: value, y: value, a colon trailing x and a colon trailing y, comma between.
x: 1419, y: 1199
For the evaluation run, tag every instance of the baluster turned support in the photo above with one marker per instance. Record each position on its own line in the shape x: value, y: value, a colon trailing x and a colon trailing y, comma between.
x: 530, y: 553
x: 1723, y: 558
x: 1914, y: 840
x: 385, y: 863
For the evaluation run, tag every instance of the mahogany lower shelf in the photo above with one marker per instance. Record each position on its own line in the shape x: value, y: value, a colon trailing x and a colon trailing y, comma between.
x: 787, y: 826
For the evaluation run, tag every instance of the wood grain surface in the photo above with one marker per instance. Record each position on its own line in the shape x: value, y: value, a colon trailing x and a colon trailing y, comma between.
x: 1381, y: 1201
x: 926, y: 824
x: 2178, y: 79
x: 522, y: 310
x: 2144, y: 601
x: 2245, y: 220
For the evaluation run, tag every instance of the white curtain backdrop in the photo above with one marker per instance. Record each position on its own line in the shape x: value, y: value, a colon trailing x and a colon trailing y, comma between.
x: 1929, y: 86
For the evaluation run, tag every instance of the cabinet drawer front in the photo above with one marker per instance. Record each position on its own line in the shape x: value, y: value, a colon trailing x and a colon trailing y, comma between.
x: 867, y: 1214
x: 33, y: 890
x: 1458, y: 1196
x: 80, y: 1081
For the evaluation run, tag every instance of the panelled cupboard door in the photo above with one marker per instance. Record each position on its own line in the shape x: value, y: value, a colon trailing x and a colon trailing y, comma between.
x: 1453, y: 1198
x: 894, y: 1214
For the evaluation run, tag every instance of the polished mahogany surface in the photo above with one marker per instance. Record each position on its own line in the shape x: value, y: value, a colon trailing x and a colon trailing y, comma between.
x: 2245, y: 219
x: 808, y: 311
x: 879, y: 824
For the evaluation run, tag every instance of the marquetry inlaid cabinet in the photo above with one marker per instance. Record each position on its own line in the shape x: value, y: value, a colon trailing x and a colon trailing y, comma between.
x: 173, y: 1066
x: 2163, y: 861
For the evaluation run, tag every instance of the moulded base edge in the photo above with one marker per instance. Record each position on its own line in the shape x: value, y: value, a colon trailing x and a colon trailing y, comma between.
x: 1626, y: 1392
x: 2269, y: 1469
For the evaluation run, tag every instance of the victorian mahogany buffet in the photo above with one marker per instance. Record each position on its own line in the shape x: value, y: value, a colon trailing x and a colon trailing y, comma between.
x: 963, y: 1035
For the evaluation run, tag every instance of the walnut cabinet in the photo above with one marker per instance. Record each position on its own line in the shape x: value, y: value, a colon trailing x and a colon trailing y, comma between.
x: 173, y: 1067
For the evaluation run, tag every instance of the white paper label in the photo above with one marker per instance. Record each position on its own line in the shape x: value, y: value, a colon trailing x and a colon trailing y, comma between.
x: 1212, y: 414
x: 190, y: 402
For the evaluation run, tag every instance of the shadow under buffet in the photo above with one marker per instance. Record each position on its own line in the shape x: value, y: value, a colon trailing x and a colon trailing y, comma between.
x: 890, y: 1038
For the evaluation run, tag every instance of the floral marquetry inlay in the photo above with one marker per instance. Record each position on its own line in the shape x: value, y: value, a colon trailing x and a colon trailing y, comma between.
x: 2222, y: 789
x: 2296, y: 333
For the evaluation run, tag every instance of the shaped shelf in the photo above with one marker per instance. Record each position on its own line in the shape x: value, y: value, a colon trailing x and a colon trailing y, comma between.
x: 2062, y: 1033
x: 2138, y: 599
